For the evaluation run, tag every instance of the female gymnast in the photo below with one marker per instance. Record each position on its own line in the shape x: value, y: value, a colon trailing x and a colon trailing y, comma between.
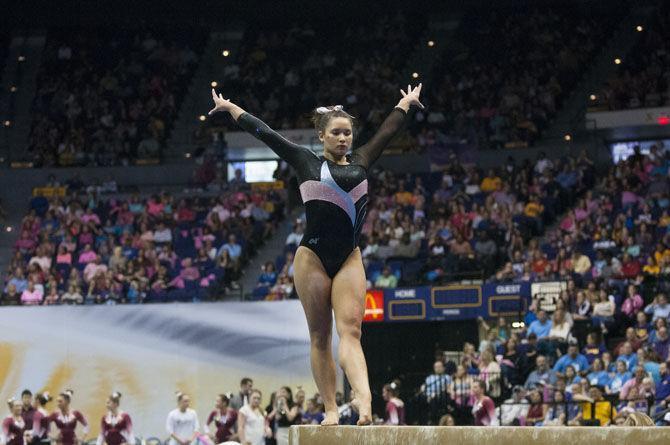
x: 40, y: 418
x: 14, y: 430
x: 224, y: 418
x: 116, y: 427
x: 66, y: 420
x: 329, y: 273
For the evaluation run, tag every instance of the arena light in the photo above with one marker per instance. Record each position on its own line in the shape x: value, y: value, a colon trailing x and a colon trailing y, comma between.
x: 415, y: 75
x: 431, y: 43
x: 593, y: 97
x: 8, y: 123
x: 617, y: 61
x: 12, y: 89
x: 663, y: 120
x: 567, y: 138
x: 8, y: 229
x: 22, y: 58
x: 639, y: 28
x: 225, y: 53
x: 214, y: 83
x: 187, y: 155
x: 202, y: 118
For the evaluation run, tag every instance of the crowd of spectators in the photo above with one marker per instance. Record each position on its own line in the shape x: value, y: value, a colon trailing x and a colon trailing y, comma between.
x: 541, y: 375
x: 598, y: 350
x: 97, y: 245
x: 283, y: 71
x: 462, y: 222
x: 616, y: 236
x: 510, y: 75
x: 106, y: 97
x: 642, y: 79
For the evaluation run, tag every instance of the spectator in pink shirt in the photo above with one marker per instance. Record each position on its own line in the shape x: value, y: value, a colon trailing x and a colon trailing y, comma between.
x: 89, y: 216
x: 187, y: 273
x: 93, y: 268
x: 25, y: 243
x: 629, y: 198
x: 633, y: 303
x: 155, y: 206
x: 31, y: 296
x: 637, y: 381
x: 87, y: 256
x: 63, y: 257
x: 85, y: 237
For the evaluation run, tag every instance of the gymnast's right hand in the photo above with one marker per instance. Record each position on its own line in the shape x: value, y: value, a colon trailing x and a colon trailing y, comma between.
x: 220, y: 104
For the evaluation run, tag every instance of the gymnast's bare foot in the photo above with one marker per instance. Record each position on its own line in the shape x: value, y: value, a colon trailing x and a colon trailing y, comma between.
x: 331, y: 418
x: 364, y: 411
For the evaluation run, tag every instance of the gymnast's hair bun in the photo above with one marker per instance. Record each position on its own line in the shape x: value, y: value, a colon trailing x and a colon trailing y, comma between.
x: 324, y: 110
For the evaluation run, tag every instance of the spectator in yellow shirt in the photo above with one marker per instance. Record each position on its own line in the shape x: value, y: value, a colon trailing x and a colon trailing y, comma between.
x: 403, y: 197
x: 604, y: 411
x: 534, y: 208
x: 652, y: 267
x: 491, y: 183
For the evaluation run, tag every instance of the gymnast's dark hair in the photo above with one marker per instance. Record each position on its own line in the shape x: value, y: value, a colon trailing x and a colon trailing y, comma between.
x: 43, y: 398
x: 322, y: 115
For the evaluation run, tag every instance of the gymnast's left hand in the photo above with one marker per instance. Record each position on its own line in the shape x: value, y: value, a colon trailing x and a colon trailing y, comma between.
x: 411, y: 97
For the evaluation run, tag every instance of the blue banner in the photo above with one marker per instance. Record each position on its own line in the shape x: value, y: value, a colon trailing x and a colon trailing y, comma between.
x: 456, y: 302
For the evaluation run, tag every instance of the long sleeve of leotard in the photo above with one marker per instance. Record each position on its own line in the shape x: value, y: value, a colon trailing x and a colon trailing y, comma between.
x: 292, y: 153
x: 367, y: 154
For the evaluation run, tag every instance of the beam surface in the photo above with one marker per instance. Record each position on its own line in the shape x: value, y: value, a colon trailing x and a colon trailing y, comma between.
x: 391, y: 435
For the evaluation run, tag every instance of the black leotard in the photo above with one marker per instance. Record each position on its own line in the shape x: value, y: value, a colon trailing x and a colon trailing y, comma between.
x: 335, y: 195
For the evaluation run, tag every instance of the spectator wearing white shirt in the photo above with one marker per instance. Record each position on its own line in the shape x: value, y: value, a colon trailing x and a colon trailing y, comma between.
x: 41, y: 260
x: 515, y: 408
x: 659, y: 308
x: 251, y: 421
x: 162, y: 234
x: 94, y: 268
x: 182, y: 423
x: 295, y: 237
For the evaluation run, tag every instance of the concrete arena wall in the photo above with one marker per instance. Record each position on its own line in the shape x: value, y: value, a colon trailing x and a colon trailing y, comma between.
x: 406, y: 435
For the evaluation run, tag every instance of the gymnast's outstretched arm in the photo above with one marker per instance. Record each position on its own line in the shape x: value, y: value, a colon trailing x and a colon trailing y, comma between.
x: 367, y: 154
x: 292, y: 153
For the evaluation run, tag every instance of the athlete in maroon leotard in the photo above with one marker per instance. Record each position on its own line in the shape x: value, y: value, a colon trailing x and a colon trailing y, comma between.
x: 40, y: 429
x: 13, y: 430
x: 116, y: 427
x: 66, y: 420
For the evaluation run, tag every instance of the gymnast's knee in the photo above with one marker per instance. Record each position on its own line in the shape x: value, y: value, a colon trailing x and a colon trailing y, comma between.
x: 320, y: 339
x: 349, y: 329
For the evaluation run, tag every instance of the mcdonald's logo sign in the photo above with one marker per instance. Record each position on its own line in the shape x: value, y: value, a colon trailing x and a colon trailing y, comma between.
x: 374, y: 306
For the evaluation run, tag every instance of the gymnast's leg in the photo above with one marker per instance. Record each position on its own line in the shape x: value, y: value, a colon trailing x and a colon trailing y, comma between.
x: 314, y: 287
x: 348, y: 300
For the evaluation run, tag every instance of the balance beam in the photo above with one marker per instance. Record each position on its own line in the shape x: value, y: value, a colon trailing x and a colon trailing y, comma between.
x: 464, y: 435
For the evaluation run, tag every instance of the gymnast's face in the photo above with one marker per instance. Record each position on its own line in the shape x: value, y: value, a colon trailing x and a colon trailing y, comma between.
x: 337, y: 137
